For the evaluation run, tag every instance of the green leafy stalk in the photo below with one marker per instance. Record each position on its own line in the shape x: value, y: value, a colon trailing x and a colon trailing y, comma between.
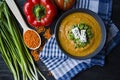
x: 14, y: 51
x: 7, y: 60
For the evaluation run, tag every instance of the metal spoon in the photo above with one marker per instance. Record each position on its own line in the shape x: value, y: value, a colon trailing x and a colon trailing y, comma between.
x: 13, y: 7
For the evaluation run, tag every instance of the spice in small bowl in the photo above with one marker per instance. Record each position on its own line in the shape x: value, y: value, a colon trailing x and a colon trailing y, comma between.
x: 32, y: 39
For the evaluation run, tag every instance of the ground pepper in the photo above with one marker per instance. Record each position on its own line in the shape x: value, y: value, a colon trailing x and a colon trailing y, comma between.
x: 47, y: 34
x: 40, y: 29
x: 35, y: 55
x: 31, y: 39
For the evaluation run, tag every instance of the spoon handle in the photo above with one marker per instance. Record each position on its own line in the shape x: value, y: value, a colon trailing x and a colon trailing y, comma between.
x: 13, y: 7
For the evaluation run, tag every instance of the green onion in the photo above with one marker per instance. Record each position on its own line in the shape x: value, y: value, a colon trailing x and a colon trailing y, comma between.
x: 13, y: 50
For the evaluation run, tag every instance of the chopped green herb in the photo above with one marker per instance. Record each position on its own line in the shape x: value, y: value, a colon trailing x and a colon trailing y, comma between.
x: 71, y: 36
x: 86, y: 27
x: 77, y: 42
x: 81, y: 26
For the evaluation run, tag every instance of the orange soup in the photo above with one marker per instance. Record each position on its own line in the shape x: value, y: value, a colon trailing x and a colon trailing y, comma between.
x: 65, y: 26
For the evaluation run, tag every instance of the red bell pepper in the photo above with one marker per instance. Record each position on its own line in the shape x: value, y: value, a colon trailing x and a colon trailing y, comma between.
x: 40, y: 12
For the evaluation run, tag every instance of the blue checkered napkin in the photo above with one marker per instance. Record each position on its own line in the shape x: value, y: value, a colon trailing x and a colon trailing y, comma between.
x: 64, y: 67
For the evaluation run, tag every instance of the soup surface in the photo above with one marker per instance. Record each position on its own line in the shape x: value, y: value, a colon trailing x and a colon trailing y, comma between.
x: 65, y: 26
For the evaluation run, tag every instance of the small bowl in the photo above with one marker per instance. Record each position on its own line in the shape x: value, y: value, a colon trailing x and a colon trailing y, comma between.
x: 96, y: 17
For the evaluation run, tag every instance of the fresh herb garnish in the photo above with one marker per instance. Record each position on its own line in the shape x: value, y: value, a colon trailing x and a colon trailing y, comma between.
x: 77, y: 41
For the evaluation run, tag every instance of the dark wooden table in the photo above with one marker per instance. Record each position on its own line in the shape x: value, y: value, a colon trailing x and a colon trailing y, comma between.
x: 111, y: 70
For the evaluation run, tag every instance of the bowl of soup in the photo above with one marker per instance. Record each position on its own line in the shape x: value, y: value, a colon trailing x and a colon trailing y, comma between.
x: 80, y: 33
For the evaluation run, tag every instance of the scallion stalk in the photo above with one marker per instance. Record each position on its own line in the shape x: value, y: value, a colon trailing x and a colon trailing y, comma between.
x: 13, y: 49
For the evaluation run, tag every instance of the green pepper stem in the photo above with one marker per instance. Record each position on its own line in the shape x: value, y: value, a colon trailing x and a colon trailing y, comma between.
x: 39, y: 11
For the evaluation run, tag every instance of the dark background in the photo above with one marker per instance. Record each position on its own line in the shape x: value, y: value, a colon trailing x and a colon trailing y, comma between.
x: 111, y: 70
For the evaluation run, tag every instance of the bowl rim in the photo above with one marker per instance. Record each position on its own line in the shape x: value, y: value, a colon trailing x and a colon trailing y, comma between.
x: 96, y: 17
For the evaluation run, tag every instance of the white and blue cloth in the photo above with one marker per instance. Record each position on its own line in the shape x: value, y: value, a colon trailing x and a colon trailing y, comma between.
x: 63, y: 67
